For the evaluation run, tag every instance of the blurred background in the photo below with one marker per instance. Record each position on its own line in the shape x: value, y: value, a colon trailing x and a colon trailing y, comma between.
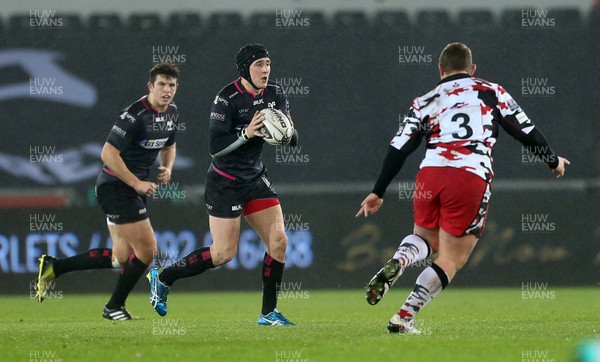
x: 350, y: 69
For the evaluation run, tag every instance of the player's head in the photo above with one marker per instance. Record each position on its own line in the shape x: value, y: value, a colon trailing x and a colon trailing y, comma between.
x: 163, y: 84
x: 167, y: 70
x: 456, y: 58
x: 254, y: 64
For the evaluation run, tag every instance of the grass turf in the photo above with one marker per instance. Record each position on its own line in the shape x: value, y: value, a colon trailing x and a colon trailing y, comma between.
x: 459, y: 325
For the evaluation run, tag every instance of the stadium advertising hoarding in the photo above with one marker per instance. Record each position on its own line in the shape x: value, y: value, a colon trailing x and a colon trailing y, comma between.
x: 527, y: 238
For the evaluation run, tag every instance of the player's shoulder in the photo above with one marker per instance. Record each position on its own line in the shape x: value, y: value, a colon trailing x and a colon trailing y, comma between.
x: 487, y: 84
x: 135, y: 109
x: 425, y: 99
x: 228, y: 94
x: 230, y: 90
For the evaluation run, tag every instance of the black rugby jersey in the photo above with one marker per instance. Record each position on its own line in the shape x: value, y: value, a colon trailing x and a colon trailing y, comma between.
x: 232, y: 110
x: 140, y: 132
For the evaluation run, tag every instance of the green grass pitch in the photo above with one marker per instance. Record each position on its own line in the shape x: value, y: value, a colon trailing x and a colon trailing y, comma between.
x: 459, y: 325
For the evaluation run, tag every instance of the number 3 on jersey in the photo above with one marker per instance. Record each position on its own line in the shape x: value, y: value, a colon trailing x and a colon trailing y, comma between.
x: 464, y: 130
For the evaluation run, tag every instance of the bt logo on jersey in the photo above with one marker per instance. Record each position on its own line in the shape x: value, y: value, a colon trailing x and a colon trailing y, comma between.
x: 154, y: 144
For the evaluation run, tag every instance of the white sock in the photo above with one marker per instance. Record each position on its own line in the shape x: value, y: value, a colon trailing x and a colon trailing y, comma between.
x: 412, y: 249
x: 429, y: 284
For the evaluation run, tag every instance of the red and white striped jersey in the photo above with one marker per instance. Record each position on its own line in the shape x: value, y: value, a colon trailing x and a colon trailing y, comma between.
x: 460, y: 120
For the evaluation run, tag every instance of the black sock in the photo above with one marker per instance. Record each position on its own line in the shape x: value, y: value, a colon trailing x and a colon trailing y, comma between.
x: 272, y: 274
x: 91, y: 259
x: 131, y: 272
x: 192, y: 264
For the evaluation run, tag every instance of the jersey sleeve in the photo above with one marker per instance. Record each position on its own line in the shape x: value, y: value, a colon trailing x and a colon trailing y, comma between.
x: 411, y: 129
x: 406, y: 140
x: 171, y: 140
x: 124, y: 130
x: 512, y: 114
x: 516, y: 123
x: 221, y: 129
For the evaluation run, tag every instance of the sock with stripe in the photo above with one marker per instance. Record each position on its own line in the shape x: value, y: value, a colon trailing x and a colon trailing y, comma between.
x: 412, y: 249
x: 91, y: 259
x: 429, y: 284
x: 192, y: 264
x: 272, y: 275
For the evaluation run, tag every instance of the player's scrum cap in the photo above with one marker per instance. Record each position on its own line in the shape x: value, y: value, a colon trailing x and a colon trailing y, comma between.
x: 247, y: 55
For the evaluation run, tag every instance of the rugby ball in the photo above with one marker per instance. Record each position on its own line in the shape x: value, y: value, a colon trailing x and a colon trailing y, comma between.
x: 277, y: 129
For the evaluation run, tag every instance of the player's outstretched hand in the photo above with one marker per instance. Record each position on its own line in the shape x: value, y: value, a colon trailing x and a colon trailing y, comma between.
x: 145, y: 188
x: 164, y: 175
x: 560, y: 169
x: 253, y: 128
x: 370, y: 205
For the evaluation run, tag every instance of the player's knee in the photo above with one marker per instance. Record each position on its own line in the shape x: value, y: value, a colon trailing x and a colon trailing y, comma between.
x: 222, y: 255
x: 278, y: 244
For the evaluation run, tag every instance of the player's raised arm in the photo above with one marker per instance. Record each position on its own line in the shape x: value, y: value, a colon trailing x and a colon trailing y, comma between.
x: 516, y: 123
x: 406, y: 140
